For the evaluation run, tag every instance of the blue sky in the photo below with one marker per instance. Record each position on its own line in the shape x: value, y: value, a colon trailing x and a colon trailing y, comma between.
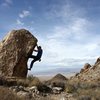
x: 67, y: 30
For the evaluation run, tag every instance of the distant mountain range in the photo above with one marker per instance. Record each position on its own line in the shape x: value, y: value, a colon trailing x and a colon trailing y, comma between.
x: 57, y: 70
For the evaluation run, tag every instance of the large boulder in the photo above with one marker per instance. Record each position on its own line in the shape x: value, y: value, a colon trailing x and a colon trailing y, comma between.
x: 14, y: 52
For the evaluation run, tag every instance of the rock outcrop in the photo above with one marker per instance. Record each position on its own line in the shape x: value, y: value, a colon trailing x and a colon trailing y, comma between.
x: 87, y: 66
x: 96, y: 63
x: 57, y: 81
x: 14, y: 52
x: 59, y: 77
x: 89, y: 73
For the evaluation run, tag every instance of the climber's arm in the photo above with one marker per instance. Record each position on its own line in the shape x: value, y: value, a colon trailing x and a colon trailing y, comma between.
x: 35, y: 50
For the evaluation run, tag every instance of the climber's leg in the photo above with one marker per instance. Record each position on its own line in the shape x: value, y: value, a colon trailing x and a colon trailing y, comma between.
x: 31, y: 65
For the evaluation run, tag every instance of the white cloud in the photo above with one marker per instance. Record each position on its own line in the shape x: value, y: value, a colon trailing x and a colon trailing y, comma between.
x: 76, y: 62
x: 65, y: 12
x: 7, y: 3
x: 70, y: 45
x: 79, y: 24
x: 77, y: 29
x: 18, y: 22
x: 63, y: 53
x: 24, y: 13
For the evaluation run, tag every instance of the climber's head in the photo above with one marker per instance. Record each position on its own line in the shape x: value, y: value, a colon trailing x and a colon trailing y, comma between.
x: 39, y: 47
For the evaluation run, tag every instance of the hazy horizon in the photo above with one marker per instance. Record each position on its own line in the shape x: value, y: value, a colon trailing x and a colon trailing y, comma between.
x: 67, y: 30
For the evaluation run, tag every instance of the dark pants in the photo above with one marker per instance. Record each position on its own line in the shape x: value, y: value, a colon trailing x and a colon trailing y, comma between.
x: 35, y: 58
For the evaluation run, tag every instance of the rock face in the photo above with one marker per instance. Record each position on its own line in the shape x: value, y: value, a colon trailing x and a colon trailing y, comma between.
x: 14, y: 52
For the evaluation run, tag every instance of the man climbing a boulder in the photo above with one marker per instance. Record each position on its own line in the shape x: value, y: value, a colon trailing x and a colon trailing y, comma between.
x: 37, y: 57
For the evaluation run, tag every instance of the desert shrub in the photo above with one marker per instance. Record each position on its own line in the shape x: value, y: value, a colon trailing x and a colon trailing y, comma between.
x: 7, y: 82
x: 83, y: 90
x: 58, y: 84
x: 84, y: 97
x: 86, y: 93
x: 70, y: 88
x: 6, y: 94
x: 44, y: 88
x: 23, y: 82
x: 88, y: 85
x: 14, y: 81
x: 34, y: 81
x: 30, y: 77
x: 90, y: 92
x: 84, y: 85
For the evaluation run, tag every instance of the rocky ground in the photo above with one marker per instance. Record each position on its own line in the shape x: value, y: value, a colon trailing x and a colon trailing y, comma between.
x: 29, y: 94
x: 61, y: 89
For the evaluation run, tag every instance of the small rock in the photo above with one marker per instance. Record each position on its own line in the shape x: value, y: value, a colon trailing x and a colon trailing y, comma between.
x: 24, y: 94
x: 56, y: 90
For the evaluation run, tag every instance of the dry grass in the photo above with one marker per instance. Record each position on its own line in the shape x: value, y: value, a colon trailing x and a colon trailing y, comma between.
x: 80, y: 90
x: 70, y: 88
x: 84, y: 90
x: 22, y: 82
x: 6, y: 94
x: 33, y: 81
x: 29, y: 81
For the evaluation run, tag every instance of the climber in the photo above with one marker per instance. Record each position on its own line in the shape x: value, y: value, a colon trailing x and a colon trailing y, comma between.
x: 37, y: 57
